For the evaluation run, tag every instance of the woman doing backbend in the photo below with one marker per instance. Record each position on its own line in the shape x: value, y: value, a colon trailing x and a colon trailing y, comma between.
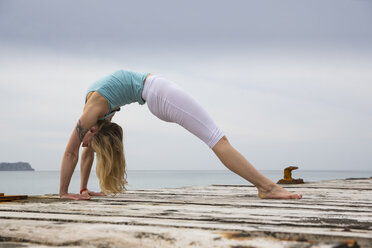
x: 165, y: 100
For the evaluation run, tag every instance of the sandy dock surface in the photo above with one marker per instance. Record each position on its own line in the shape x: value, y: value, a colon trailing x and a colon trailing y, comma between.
x: 335, y: 213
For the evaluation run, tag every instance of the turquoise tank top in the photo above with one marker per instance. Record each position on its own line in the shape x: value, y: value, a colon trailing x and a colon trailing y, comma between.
x: 120, y: 88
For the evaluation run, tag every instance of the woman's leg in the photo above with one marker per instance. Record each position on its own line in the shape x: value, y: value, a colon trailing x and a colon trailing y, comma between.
x: 171, y: 103
x: 236, y: 162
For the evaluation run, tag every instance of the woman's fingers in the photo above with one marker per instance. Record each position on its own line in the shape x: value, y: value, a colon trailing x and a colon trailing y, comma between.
x: 84, y: 197
x: 92, y: 193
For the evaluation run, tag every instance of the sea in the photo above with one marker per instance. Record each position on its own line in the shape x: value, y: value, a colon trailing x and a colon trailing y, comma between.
x: 47, y: 182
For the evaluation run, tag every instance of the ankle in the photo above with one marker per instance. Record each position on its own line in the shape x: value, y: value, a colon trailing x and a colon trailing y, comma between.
x: 266, y: 188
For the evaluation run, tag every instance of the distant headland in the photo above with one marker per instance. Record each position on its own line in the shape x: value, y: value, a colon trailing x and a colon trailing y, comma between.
x: 19, y: 166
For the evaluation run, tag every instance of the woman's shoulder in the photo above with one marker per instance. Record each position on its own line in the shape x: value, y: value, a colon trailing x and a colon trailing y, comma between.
x: 89, y: 95
x: 94, y: 97
x: 97, y: 101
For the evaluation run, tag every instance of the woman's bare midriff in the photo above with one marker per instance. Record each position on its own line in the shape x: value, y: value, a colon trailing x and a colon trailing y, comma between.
x: 144, y: 81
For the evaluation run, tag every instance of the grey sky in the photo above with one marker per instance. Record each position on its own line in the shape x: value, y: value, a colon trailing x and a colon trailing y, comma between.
x: 289, y: 82
x: 46, y: 22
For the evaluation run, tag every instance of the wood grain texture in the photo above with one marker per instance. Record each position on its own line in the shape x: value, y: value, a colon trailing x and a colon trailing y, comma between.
x: 331, y: 212
x: 11, y: 197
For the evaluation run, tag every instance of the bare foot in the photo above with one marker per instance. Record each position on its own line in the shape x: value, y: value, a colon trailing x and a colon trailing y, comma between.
x: 274, y: 191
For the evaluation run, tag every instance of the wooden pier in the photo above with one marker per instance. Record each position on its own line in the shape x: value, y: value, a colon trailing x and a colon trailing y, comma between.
x: 336, y: 213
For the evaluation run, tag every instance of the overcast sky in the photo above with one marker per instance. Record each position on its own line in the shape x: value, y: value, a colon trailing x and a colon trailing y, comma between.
x: 289, y: 82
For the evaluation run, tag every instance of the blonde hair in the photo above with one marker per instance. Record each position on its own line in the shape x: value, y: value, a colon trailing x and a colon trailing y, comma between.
x: 110, y: 166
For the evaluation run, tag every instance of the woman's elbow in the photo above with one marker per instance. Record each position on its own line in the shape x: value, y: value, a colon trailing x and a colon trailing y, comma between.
x: 70, y: 155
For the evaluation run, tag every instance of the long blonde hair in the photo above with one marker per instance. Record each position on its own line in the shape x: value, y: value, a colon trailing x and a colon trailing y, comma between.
x: 110, y: 166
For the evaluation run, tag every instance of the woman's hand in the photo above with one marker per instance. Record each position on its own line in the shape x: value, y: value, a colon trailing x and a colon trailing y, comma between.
x: 92, y: 193
x: 75, y: 196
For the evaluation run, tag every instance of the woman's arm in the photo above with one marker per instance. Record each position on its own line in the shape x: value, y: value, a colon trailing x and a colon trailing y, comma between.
x: 86, y: 162
x: 87, y: 158
x: 69, y: 161
x: 71, y: 155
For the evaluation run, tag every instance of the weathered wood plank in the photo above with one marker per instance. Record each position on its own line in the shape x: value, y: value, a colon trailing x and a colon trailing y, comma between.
x: 12, y: 197
x: 250, y: 215
x: 225, y: 216
x: 109, y: 235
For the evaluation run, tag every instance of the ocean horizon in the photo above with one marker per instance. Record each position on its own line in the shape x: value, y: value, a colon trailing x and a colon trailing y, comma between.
x: 47, y: 182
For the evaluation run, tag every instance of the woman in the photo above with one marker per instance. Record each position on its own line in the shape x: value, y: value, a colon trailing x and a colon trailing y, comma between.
x: 165, y: 100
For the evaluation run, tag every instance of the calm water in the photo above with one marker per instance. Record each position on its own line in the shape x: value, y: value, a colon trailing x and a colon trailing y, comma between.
x: 47, y: 182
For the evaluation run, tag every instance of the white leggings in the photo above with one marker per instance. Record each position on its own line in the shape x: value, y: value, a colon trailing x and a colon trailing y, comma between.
x: 169, y: 102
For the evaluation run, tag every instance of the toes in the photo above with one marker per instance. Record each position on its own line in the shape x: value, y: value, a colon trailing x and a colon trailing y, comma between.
x: 293, y: 196
x: 296, y: 196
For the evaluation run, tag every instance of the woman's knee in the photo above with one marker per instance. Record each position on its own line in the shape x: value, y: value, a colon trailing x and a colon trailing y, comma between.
x: 221, y: 144
x: 224, y: 139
